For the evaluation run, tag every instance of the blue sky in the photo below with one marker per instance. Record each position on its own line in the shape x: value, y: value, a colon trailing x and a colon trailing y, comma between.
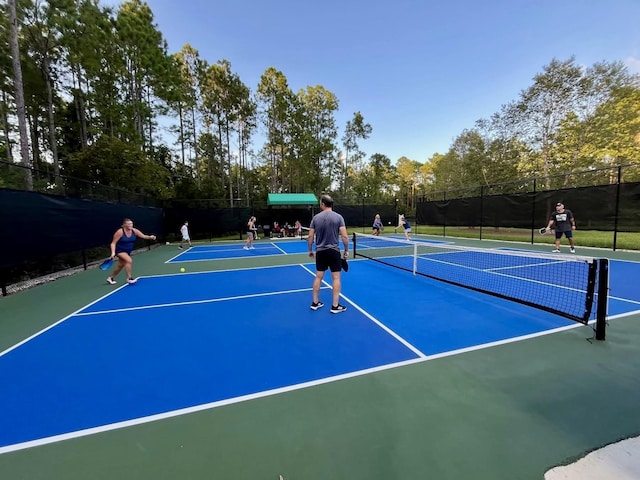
x: 419, y: 71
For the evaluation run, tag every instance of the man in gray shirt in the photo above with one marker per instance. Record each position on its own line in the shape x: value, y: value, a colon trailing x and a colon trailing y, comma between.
x: 328, y: 228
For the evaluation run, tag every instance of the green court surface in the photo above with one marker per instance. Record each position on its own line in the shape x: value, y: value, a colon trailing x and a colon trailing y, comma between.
x: 510, y: 411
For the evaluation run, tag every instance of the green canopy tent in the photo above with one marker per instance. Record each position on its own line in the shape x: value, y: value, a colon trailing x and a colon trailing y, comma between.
x: 292, y: 199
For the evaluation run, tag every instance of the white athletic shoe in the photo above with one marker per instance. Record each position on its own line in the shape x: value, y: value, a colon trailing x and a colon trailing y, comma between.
x: 131, y: 281
x: 556, y: 251
x: 573, y: 250
x: 111, y: 281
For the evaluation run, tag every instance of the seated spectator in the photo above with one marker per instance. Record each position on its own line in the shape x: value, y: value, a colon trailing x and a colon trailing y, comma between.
x: 277, y: 230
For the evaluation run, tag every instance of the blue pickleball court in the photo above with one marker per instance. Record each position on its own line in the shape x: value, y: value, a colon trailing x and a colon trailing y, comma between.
x: 178, y: 343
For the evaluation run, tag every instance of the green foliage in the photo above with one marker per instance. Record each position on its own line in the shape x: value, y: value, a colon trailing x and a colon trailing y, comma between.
x: 114, y: 163
x: 351, y: 164
x: 375, y: 182
x: 94, y: 74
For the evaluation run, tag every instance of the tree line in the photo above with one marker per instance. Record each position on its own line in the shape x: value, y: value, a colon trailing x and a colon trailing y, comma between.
x: 91, y: 91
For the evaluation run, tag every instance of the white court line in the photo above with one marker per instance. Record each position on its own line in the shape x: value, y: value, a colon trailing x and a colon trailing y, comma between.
x: 524, y: 266
x: 628, y: 300
x: 513, y: 277
x: 196, y: 408
x: 193, y: 260
x: 192, y: 302
x: 175, y: 256
x: 276, y: 246
x: 22, y: 342
x: 114, y: 290
x: 211, y: 405
x: 267, y: 393
x: 376, y: 321
x: 223, y: 270
x: 173, y: 260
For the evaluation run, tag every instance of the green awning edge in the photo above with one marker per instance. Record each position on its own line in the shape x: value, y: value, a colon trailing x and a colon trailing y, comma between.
x: 292, y: 199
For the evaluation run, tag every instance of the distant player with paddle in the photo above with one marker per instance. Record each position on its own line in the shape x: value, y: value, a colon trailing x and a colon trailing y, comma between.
x: 406, y: 226
x: 377, y: 225
x: 565, y: 223
x: 121, y: 247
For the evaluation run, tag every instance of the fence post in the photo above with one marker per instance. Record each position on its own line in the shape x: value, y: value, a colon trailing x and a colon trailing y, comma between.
x: 444, y: 222
x: 533, y: 212
x: 615, y: 217
x: 481, y: 209
x: 3, y: 281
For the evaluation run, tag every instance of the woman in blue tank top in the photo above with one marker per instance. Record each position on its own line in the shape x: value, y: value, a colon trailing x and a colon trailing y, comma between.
x: 121, y: 247
x: 406, y: 226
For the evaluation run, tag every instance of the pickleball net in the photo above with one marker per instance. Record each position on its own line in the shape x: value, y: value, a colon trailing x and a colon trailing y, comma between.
x: 575, y: 287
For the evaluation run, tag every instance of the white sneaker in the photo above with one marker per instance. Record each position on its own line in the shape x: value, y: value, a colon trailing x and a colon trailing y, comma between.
x: 573, y: 250
x: 111, y: 281
x: 252, y: 248
x: 245, y: 248
x: 131, y: 281
x: 556, y: 251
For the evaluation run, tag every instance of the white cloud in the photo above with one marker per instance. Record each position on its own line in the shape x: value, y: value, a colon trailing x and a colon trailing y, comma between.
x: 633, y: 64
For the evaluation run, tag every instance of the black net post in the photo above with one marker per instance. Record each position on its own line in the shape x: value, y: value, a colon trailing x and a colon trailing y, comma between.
x: 603, y: 295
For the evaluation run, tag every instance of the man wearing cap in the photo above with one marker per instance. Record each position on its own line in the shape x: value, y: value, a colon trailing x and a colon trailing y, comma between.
x: 564, y: 224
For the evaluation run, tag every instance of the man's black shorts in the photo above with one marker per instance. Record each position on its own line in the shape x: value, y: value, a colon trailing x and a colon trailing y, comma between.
x: 568, y: 234
x: 328, y: 258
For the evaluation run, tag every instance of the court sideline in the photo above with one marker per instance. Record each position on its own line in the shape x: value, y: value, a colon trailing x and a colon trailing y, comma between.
x: 508, y: 412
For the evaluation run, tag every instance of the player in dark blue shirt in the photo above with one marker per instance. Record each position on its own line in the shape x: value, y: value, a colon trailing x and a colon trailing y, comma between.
x: 404, y: 223
x: 121, y: 248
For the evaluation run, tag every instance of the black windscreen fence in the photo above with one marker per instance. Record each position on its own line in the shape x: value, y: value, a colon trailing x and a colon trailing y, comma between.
x: 363, y: 215
x: 607, y: 207
x: 41, y: 227
x: 36, y: 225
x: 204, y: 223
